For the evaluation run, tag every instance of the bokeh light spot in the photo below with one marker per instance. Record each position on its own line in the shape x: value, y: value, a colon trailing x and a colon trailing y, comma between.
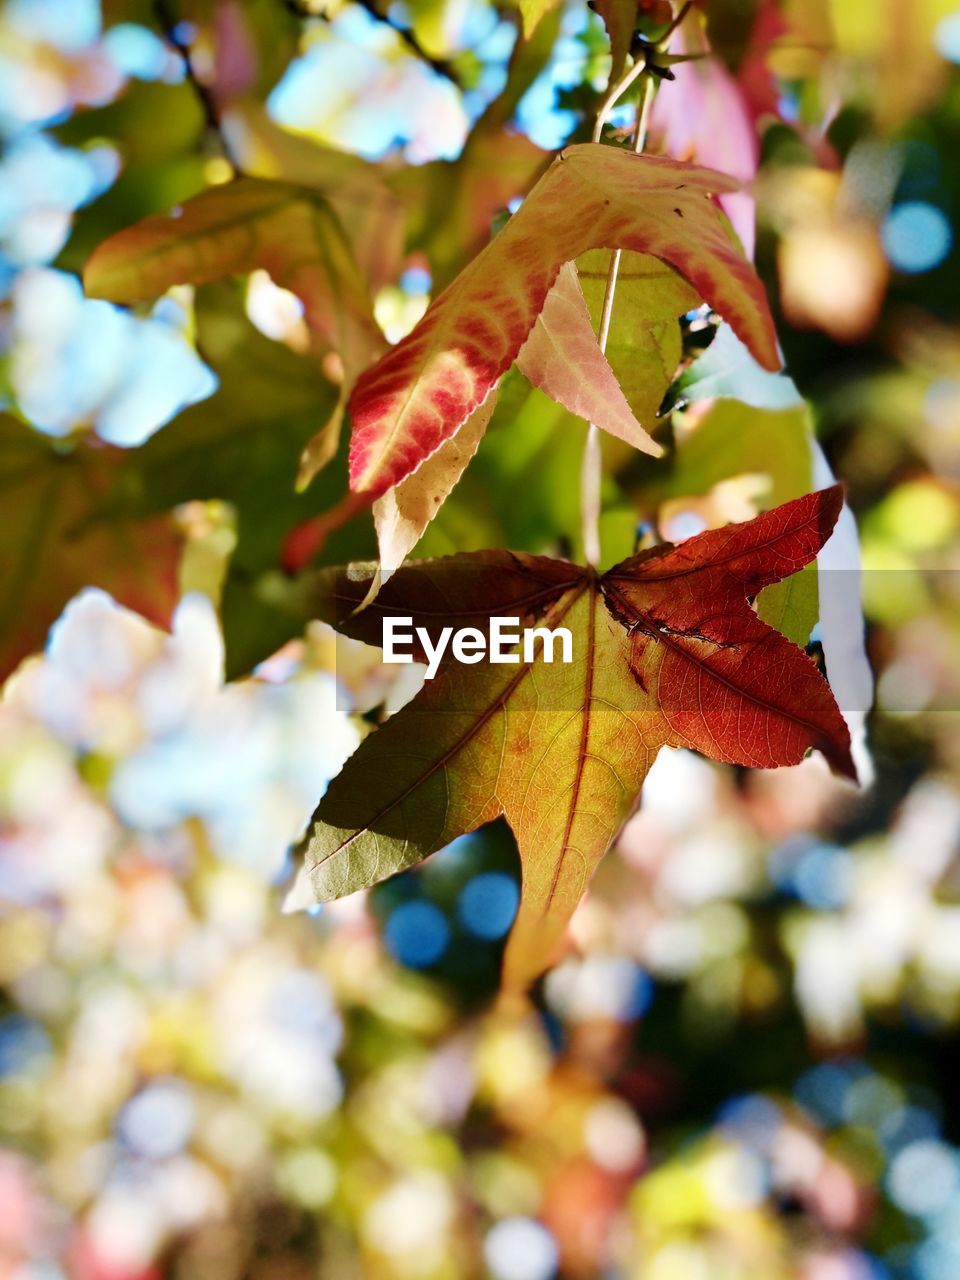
x: 917, y: 236
x: 684, y: 525
x: 158, y: 1121
x: 521, y: 1249
x: 417, y: 934
x: 823, y: 1089
x: 924, y: 1177
x: 23, y: 1043
x: 947, y: 37
x: 822, y: 875
x: 69, y: 25
x: 416, y: 280
x: 140, y: 53
x: 907, y: 1125
x: 488, y: 904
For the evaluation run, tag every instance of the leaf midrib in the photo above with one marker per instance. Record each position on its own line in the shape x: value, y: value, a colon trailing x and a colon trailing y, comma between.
x: 585, y: 717
x: 497, y: 704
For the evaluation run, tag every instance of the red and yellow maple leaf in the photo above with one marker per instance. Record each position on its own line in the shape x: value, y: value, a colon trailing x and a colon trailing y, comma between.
x: 418, y: 394
x: 666, y: 651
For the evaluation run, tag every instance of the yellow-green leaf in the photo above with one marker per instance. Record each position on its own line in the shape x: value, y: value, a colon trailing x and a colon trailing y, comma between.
x: 288, y: 231
x: 664, y: 649
x: 645, y: 344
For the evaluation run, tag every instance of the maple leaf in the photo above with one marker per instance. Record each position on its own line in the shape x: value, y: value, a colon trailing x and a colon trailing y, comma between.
x: 402, y: 514
x: 705, y: 118
x: 645, y: 344
x: 563, y: 358
x: 666, y: 650
x: 57, y: 538
x: 592, y: 196
x: 289, y: 231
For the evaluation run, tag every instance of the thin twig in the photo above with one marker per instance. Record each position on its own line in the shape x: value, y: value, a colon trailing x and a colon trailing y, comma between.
x: 302, y: 9
x: 167, y: 22
x: 684, y: 10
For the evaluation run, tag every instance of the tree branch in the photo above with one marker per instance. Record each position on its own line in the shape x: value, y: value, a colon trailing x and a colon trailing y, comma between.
x: 167, y: 22
x: 302, y: 9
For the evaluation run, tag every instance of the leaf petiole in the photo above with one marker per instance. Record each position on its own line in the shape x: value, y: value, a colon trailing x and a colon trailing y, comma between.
x: 591, y: 474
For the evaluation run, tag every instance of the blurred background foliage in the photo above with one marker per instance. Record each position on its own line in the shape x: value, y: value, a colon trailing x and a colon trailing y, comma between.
x: 746, y: 1067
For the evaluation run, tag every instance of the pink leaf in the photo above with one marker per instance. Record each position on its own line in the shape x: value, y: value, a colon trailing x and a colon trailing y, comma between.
x: 563, y: 358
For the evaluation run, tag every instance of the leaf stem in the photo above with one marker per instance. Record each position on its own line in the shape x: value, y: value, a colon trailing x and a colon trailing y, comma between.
x: 684, y: 10
x: 615, y: 94
x: 591, y: 475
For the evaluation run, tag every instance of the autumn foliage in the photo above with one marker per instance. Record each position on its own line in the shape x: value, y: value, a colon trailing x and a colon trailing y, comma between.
x: 666, y: 653
x: 670, y: 650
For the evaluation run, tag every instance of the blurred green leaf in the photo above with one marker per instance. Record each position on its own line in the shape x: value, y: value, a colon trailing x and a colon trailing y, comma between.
x: 58, y: 536
x: 242, y: 446
x: 727, y: 369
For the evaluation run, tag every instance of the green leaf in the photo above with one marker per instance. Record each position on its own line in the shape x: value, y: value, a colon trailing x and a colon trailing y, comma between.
x: 156, y: 128
x: 59, y: 535
x: 645, y: 343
